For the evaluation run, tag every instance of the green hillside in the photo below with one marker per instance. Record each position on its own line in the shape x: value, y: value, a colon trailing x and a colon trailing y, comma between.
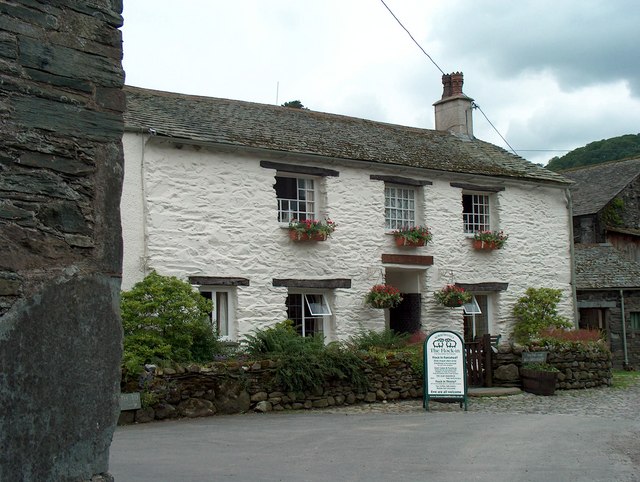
x: 613, y: 149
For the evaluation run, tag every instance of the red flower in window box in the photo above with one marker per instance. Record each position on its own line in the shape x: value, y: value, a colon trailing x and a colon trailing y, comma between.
x: 311, y: 230
x: 489, y: 239
x: 412, y: 236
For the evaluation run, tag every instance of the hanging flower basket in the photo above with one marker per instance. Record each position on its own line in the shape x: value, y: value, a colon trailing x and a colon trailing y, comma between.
x: 452, y: 296
x: 489, y: 240
x: 412, y: 236
x: 383, y: 296
x: 311, y: 230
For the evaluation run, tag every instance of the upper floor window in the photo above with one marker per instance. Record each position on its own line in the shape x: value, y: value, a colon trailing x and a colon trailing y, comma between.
x: 399, y: 207
x: 296, y: 198
x: 475, y: 213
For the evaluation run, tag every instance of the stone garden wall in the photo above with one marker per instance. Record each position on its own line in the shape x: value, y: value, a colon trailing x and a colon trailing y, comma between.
x: 585, y: 369
x: 233, y: 387
x: 226, y: 388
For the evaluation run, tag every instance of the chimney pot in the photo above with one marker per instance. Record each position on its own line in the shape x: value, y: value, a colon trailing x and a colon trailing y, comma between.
x: 453, y: 111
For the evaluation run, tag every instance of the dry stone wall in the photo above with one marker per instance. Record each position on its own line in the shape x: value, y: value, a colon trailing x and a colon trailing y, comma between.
x: 61, y: 107
x: 225, y: 388
x: 578, y: 369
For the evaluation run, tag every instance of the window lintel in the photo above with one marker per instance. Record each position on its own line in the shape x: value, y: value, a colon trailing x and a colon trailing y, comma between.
x: 400, y: 180
x: 313, y: 283
x: 480, y: 287
x: 476, y: 187
x: 299, y: 169
x: 218, y: 281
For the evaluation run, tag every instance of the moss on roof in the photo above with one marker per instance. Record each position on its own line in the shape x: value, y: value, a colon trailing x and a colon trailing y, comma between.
x: 247, y: 124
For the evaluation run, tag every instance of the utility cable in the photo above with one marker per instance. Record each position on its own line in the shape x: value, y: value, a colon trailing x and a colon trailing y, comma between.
x: 474, y: 105
x: 414, y: 40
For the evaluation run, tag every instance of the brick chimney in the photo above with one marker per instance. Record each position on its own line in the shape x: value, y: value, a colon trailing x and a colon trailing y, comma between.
x: 453, y: 111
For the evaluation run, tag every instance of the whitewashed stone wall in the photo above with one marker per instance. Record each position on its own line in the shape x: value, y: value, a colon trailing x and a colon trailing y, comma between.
x: 208, y: 212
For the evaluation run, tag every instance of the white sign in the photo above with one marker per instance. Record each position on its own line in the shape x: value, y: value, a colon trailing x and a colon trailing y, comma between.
x: 444, y: 360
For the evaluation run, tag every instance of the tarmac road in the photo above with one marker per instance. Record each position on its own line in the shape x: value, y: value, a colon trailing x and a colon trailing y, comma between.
x: 405, y: 445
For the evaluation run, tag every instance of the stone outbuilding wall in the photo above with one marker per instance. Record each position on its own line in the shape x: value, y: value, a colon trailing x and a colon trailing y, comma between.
x: 578, y: 369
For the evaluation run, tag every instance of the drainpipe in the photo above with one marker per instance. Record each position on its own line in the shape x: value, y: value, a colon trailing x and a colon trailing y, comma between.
x: 572, y: 254
x: 624, y: 331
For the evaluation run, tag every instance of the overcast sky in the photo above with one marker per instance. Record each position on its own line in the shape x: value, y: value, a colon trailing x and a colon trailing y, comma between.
x: 549, y: 74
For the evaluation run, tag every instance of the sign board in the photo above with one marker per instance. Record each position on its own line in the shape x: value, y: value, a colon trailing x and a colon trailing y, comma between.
x: 534, y: 357
x: 130, y: 401
x: 445, y: 375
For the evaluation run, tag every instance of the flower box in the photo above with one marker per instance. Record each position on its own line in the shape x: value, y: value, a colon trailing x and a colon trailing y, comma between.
x: 412, y: 236
x: 408, y: 243
x: 489, y: 240
x: 311, y: 230
x: 300, y: 236
x: 484, y: 245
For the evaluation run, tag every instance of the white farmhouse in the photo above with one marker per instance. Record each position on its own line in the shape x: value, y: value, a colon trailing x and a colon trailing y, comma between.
x: 210, y: 185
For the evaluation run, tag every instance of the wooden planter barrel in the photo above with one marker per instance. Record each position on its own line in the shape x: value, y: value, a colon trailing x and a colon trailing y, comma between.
x: 538, y: 382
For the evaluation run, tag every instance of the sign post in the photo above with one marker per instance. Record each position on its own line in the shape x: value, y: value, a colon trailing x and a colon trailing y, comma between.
x: 444, y: 369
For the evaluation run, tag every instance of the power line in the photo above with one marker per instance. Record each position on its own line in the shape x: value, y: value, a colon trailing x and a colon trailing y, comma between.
x: 414, y: 40
x: 474, y: 105
x: 443, y: 73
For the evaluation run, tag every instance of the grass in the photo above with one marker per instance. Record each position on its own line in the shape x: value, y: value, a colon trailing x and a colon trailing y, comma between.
x: 623, y: 379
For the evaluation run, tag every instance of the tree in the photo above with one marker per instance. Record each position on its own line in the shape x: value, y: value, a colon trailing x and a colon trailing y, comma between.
x: 163, y: 318
x: 535, y: 311
x: 294, y: 104
x: 613, y: 149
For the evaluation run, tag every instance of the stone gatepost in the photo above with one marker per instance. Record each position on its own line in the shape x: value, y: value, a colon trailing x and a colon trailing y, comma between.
x: 61, y: 106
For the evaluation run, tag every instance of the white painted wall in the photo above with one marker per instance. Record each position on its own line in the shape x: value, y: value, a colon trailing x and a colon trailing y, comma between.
x: 214, y: 213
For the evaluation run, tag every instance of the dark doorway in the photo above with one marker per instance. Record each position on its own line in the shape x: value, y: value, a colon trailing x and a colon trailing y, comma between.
x: 405, y: 318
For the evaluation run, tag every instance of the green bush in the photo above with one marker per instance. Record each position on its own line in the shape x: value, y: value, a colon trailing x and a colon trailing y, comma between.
x: 278, y: 339
x: 305, y: 363
x: 537, y: 311
x: 165, y: 320
x: 367, y: 340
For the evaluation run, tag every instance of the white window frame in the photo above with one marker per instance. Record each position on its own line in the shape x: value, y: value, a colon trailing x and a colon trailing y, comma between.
x: 323, y: 315
x: 317, y: 307
x: 479, y: 218
x: 400, y: 206
x: 634, y: 321
x: 473, y: 308
x: 229, y: 293
x: 285, y: 212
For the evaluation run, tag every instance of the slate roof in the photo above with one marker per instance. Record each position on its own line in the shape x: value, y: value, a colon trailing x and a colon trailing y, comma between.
x: 601, y: 266
x: 596, y: 185
x: 247, y: 124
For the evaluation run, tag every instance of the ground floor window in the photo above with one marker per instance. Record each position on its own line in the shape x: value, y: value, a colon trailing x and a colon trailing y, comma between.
x: 476, y: 318
x: 221, y: 312
x: 634, y: 319
x: 309, y: 312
